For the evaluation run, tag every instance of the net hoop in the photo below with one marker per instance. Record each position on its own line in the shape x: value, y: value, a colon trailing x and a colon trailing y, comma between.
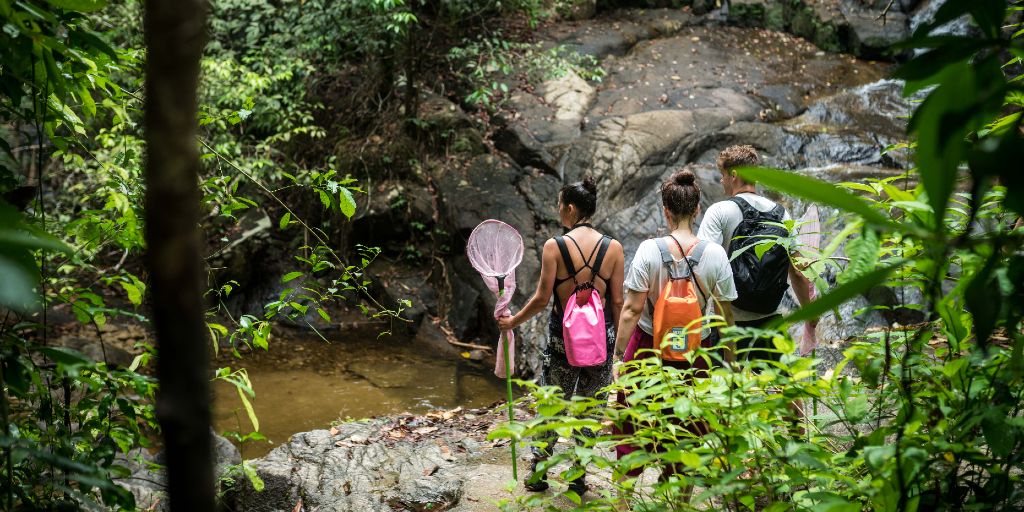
x: 495, y: 248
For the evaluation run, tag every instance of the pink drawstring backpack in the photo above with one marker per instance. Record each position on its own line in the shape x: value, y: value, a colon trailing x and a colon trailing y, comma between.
x: 583, y: 328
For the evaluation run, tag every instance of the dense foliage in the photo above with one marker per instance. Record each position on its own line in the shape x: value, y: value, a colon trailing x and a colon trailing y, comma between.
x: 915, y: 417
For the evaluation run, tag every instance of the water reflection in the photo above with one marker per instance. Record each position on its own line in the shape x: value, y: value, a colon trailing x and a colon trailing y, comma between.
x: 303, y: 383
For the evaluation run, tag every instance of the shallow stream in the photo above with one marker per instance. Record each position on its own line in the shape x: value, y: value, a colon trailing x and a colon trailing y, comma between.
x: 305, y: 383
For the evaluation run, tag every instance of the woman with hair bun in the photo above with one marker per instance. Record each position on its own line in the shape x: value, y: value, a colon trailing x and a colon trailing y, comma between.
x: 589, y: 261
x: 648, y: 276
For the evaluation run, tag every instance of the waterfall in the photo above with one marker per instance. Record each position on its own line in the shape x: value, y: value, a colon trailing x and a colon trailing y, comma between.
x: 926, y: 14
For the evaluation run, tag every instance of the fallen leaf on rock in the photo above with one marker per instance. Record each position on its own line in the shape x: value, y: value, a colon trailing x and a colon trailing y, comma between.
x: 343, y: 444
x: 694, y: 38
x: 424, y: 430
x: 298, y: 506
x: 334, y: 431
x: 397, y: 434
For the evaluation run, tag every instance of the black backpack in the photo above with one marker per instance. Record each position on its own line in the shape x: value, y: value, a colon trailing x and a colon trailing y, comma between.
x: 760, y: 282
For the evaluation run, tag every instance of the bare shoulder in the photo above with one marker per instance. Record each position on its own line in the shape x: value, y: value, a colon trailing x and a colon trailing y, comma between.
x: 550, y: 246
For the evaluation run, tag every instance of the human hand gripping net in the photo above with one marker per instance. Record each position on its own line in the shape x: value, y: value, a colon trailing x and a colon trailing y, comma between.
x: 495, y: 249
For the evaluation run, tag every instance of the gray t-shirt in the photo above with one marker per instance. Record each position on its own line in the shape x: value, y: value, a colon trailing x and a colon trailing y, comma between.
x: 648, y: 274
x: 719, y: 224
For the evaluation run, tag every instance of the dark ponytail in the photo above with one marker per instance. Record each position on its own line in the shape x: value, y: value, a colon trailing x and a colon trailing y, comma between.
x: 681, y: 194
x: 582, y: 195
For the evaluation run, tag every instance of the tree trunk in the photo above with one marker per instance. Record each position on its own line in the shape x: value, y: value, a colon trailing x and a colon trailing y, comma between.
x: 176, y: 34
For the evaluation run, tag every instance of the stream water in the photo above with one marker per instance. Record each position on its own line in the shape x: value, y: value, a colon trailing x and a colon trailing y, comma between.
x: 304, y: 383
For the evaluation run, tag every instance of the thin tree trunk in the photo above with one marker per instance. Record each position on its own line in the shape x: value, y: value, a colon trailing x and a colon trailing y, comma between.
x: 176, y: 34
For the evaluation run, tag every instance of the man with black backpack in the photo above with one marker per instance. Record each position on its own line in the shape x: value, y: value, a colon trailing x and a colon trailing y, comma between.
x: 741, y: 221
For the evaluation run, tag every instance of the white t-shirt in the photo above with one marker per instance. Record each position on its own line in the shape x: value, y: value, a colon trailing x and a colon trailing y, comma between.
x: 718, y: 225
x: 648, y: 274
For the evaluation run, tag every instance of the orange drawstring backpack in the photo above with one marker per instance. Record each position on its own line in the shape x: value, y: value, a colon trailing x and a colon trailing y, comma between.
x: 677, y: 314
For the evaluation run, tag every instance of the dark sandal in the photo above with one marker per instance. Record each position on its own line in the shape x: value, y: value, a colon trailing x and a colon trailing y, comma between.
x: 541, y: 484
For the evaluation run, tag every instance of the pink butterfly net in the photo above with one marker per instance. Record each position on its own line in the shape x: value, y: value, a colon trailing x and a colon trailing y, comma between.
x: 810, y: 244
x: 495, y: 250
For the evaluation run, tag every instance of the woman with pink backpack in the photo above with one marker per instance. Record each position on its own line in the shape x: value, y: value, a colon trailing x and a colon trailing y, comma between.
x: 674, y: 282
x: 584, y: 270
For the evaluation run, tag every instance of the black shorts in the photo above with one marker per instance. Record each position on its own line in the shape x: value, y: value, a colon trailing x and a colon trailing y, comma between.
x: 764, y: 349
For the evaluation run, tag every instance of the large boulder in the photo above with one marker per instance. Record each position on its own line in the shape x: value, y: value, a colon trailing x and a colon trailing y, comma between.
x: 627, y: 154
x: 483, y: 190
x: 871, y: 35
x: 332, y: 472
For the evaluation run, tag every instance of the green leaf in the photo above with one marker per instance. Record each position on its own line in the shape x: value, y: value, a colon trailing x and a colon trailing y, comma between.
x: 999, y: 436
x: 79, y: 5
x: 134, y: 295
x: 291, y: 275
x: 953, y: 367
x: 325, y: 198
x: 815, y: 190
x: 347, y: 202
x: 323, y: 314
x: 250, y: 471
x: 839, y: 295
x: 760, y: 249
x: 284, y: 220
x: 63, y: 355
x: 856, y: 409
x: 248, y: 409
x: 863, y: 254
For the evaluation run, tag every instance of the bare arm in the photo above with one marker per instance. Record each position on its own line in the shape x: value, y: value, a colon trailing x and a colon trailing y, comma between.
x: 725, y: 309
x: 629, y: 318
x: 615, y: 285
x: 801, y: 287
x: 548, y: 268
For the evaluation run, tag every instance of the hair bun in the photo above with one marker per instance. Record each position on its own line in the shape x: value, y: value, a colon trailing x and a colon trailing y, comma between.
x: 590, y: 184
x: 684, y: 177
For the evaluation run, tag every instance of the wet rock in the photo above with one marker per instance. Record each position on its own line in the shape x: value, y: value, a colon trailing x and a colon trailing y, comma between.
x: 620, y: 150
x: 430, y: 335
x: 150, y: 486
x: 569, y: 94
x: 448, y: 126
x: 411, y: 292
x: 516, y: 140
x: 579, y: 10
x: 94, y: 350
x: 871, y: 37
x: 348, y: 478
x: 426, y: 494
x: 482, y: 191
x: 462, y: 308
x: 788, y: 100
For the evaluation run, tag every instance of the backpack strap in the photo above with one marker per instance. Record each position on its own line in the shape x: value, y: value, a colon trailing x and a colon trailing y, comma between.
x: 695, y: 255
x: 666, y: 258
x: 747, y: 209
x: 596, y: 269
x: 566, y: 258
